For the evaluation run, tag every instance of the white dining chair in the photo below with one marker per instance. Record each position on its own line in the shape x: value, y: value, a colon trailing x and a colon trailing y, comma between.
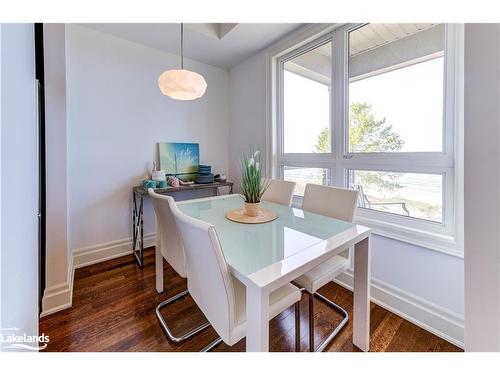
x: 219, y: 295
x: 170, y: 245
x: 339, y: 204
x: 279, y: 191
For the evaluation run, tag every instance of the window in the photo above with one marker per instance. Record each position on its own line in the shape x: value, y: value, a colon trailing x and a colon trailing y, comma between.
x: 385, y: 110
x: 306, y: 101
x: 409, y: 194
x: 302, y: 176
x: 372, y: 107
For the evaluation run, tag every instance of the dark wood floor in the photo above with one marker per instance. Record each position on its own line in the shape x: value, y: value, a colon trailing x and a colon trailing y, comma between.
x: 114, y: 310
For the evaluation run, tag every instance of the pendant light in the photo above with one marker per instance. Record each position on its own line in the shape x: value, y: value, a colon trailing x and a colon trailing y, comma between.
x: 180, y: 83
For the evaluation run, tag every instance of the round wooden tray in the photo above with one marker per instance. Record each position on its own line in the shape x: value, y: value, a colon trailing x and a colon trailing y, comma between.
x: 265, y: 215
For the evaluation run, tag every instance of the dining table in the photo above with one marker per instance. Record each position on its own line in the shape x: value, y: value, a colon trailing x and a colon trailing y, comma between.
x: 266, y: 256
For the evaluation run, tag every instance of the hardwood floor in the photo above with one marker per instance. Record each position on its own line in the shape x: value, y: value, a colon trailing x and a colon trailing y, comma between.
x: 114, y: 310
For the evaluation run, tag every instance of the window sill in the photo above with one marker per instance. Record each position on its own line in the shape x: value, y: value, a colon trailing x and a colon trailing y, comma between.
x: 433, y: 241
x: 423, y: 238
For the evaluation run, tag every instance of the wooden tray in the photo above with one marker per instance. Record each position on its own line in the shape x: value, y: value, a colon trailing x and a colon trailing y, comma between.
x: 265, y: 215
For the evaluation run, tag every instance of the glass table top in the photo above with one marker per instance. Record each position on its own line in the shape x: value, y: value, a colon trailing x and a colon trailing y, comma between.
x: 251, y: 247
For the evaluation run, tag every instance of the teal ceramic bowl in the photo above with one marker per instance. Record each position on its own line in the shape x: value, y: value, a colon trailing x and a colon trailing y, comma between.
x: 146, y: 184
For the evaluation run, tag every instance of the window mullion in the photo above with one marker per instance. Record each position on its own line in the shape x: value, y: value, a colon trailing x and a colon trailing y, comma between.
x: 338, y: 102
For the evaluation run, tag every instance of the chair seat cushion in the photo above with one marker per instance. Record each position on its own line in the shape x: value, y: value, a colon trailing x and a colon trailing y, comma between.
x: 279, y: 300
x: 323, y: 274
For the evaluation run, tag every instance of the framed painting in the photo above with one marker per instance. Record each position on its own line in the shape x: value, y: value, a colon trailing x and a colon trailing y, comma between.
x: 180, y: 159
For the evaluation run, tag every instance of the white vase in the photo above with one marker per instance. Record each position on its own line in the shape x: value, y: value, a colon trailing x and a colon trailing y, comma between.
x: 159, y: 175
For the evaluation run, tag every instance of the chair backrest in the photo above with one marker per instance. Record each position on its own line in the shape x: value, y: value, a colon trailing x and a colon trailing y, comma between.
x: 209, y: 280
x: 167, y: 236
x: 330, y: 201
x: 279, y: 191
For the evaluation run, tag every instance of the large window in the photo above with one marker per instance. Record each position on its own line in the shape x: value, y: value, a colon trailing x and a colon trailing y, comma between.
x: 373, y: 107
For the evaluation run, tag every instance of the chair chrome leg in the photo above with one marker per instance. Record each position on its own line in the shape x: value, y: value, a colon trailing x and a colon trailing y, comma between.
x: 218, y: 341
x: 166, y: 329
x: 311, y: 322
x: 341, y: 325
x: 212, y: 345
x: 297, y: 326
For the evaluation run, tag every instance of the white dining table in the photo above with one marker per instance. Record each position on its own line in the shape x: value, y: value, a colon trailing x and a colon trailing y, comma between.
x: 266, y: 256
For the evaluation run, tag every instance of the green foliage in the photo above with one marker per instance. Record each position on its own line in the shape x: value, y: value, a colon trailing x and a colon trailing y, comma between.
x: 252, y: 184
x: 323, y: 142
x: 381, y: 182
x: 367, y: 134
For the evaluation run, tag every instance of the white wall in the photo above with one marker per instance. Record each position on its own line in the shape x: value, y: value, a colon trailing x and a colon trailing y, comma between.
x: 19, y: 181
x: 402, y: 272
x: 247, y: 103
x: 116, y: 115
x: 482, y: 187
x: 57, y: 294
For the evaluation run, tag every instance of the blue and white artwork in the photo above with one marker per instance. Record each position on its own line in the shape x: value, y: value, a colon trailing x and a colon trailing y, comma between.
x: 179, y: 158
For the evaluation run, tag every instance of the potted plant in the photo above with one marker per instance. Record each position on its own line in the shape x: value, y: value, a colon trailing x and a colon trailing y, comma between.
x: 252, y: 184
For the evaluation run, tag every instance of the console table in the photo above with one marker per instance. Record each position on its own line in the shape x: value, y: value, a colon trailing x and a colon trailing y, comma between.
x: 138, y: 195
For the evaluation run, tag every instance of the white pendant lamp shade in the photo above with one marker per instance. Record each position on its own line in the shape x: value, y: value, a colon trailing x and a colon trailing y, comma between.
x: 182, y: 84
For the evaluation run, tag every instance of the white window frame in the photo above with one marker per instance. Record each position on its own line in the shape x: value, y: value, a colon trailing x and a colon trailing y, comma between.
x: 445, y: 237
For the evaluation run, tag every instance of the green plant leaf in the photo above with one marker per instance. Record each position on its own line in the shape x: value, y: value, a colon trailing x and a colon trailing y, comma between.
x: 252, y: 184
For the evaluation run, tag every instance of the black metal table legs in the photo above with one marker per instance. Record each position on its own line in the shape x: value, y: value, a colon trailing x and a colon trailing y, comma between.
x: 138, y: 229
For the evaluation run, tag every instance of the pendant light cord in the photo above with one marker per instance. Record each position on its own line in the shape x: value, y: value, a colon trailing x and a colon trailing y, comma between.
x: 182, y: 46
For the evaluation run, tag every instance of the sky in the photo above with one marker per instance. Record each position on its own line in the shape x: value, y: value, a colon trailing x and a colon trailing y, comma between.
x: 306, y: 112
x: 411, y: 100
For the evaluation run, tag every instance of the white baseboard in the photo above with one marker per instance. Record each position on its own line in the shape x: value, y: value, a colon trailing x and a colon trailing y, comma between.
x: 60, y: 296
x: 106, y: 251
x: 427, y: 315
x: 56, y: 298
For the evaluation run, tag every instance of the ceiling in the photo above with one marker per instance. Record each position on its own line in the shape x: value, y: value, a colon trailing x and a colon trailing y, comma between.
x: 374, y: 35
x: 224, y: 45
x: 414, y: 40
